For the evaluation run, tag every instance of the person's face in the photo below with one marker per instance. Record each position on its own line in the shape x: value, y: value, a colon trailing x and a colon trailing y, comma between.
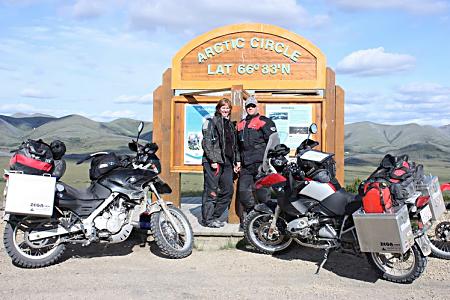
x: 225, y: 111
x: 251, y: 109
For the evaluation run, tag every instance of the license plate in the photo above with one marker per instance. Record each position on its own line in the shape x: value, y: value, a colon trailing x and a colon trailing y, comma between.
x: 437, y: 197
x: 425, y: 214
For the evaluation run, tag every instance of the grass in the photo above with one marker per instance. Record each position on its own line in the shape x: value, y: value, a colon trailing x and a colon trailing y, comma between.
x: 191, y: 185
x: 230, y: 245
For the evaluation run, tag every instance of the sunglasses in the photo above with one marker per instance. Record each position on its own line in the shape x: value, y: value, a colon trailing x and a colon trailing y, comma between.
x: 251, y: 106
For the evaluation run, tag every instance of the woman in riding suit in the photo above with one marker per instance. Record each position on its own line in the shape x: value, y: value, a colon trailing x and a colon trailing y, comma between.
x: 220, y: 157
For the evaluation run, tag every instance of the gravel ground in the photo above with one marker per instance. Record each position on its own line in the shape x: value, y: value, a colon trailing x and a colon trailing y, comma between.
x: 130, y: 271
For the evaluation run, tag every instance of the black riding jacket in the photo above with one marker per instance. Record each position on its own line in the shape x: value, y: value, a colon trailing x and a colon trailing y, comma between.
x: 214, y: 140
x: 253, y: 135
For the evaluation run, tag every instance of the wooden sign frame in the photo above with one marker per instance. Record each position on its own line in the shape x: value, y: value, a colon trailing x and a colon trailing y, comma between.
x: 183, y: 83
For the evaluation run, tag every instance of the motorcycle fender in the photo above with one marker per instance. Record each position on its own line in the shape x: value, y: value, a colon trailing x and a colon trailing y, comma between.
x: 262, y: 207
x: 424, y: 244
x: 155, y: 207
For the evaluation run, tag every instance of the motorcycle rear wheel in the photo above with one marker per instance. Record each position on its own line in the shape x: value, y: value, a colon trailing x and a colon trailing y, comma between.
x: 256, y: 228
x: 31, y: 254
x: 439, y: 236
x: 170, y: 243
x: 399, y: 268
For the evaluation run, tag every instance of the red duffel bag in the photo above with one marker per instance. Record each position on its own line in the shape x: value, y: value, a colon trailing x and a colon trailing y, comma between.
x: 376, y: 196
x: 33, y: 158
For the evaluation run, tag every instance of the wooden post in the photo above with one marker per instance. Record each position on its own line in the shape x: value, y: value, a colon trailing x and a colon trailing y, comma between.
x: 330, y: 112
x: 162, y: 100
x: 237, y: 100
x: 339, y: 135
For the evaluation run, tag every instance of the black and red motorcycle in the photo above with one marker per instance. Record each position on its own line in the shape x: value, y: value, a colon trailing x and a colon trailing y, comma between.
x: 312, y: 209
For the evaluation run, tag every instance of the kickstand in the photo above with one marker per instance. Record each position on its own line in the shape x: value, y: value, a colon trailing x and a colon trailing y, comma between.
x: 325, y: 257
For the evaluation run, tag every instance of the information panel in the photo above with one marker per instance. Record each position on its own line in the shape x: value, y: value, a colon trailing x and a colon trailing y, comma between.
x: 292, y: 121
x: 194, y: 116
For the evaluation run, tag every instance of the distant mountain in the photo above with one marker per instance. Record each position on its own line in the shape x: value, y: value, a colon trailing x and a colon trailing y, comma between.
x: 80, y: 134
x: 26, y: 123
x: 445, y: 129
x: 21, y: 115
x: 127, y: 127
x: 416, y: 140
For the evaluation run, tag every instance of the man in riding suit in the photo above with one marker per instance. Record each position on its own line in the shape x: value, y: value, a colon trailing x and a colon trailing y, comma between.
x: 256, y: 135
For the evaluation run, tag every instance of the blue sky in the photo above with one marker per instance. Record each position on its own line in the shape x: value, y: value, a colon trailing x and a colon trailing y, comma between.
x: 103, y: 59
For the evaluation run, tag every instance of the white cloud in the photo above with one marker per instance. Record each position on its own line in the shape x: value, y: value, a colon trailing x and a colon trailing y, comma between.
x: 361, y: 98
x: 112, y: 115
x: 375, y: 62
x: 424, y: 103
x: 420, y: 7
x: 195, y: 16
x: 6, y: 68
x: 123, y: 99
x: 90, y: 9
x: 35, y: 93
x: 10, y: 109
x: 199, y: 15
x: 424, y: 88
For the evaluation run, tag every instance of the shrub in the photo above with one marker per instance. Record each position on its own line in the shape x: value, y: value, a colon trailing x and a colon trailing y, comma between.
x: 353, y: 187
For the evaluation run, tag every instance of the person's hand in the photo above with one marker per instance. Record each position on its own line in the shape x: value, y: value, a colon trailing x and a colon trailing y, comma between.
x: 237, y: 167
x: 214, y: 166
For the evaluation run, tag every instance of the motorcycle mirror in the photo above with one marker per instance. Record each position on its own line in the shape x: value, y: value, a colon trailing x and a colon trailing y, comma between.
x: 313, y: 128
x: 140, y: 128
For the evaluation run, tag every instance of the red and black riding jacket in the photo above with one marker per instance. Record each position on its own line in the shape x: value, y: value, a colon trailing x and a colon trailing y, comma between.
x: 253, y: 135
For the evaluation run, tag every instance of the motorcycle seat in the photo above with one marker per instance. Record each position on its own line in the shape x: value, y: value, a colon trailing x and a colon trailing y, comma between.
x: 354, y: 202
x: 93, y: 192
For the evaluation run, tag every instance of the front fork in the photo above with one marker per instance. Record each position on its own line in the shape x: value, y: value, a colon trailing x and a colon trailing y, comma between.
x: 161, y: 204
x: 273, y: 225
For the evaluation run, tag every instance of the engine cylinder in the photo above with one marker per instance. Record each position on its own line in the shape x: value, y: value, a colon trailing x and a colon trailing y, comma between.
x: 327, y: 232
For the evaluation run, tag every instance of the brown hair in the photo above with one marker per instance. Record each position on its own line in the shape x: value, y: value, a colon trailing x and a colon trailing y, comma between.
x: 223, y: 102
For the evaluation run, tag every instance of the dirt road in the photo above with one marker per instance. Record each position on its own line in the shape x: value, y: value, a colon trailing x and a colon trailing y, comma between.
x: 129, y: 271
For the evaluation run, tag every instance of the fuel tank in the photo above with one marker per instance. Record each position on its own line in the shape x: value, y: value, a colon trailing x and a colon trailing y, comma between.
x: 317, y: 190
x: 127, y: 181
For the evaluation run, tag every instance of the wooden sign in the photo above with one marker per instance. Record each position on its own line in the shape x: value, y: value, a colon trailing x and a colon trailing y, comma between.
x: 253, y: 55
x: 275, y: 64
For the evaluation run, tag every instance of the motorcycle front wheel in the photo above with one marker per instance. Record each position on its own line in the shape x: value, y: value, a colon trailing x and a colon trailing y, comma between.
x: 439, y: 236
x: 169, y: 242
x: 31, y: 254
x: 399, y: 268
x: 256, y: 231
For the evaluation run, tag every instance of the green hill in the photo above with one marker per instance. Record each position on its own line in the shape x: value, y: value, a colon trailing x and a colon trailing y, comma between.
x: 367, y: 137
x: 80, y: 134
x: 128, y: 127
